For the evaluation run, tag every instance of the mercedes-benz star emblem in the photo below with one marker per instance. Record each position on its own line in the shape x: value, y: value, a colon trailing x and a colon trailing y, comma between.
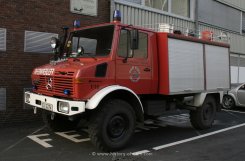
x: 49, y: 84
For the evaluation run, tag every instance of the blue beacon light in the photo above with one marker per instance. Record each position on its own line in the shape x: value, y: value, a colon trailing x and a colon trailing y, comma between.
x: 77, y: 24
x: 117, y: 16
x: 34, y: 87
x: 67, y: 92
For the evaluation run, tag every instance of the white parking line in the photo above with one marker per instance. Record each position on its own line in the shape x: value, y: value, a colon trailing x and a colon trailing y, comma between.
x: 42, y: 142
x: 140, y: 152
x: 197, y: 137
x: 72, y: 137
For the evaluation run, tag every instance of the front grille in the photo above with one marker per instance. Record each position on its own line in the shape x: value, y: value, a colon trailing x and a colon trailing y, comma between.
x: 64, y: 73
x: 55, y: 85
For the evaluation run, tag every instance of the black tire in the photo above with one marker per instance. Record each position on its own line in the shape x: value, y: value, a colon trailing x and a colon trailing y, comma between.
x: 228, y: 102
x: 204, y: 116
x: 112, y: 125
x: 59, y: 123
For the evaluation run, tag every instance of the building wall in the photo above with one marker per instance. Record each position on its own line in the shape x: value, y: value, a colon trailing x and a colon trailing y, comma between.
x: 220, y: 15
x: 240, y: 4
x: 15, y: 64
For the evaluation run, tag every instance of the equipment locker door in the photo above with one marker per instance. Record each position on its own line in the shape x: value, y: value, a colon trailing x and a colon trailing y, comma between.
x: 135, y: 72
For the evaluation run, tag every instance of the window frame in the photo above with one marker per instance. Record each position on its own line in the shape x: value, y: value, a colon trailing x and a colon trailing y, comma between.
x: 47, y: 38
x: 189, y: 7
x: 4, y: 40
x: 3, y: 93
x: 128, y: 45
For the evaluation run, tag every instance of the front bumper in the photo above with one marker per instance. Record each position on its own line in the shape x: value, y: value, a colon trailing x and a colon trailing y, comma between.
x: 52, y: 104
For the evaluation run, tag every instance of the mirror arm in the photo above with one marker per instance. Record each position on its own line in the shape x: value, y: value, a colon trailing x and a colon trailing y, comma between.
x: 62, y: 45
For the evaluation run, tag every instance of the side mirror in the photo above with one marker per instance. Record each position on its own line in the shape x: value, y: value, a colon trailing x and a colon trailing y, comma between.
x: 134, y: 36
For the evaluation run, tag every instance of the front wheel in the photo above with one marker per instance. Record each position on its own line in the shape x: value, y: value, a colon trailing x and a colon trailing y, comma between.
x: 112, y: 125
x: 204, y: 116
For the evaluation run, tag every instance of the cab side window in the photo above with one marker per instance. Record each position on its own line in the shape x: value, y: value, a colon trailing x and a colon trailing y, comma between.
x: 143, y: 46
x: 124, y: 45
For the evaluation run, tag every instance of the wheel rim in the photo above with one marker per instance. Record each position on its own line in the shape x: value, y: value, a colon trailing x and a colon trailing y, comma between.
x: 117, y: 127
x: 228, y: 102
x: 208, y: 112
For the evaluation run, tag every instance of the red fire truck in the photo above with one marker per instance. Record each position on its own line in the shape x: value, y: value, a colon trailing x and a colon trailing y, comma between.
x: 113, y: 76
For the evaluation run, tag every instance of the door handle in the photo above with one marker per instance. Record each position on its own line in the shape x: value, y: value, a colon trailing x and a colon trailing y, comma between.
x: 147, y: 69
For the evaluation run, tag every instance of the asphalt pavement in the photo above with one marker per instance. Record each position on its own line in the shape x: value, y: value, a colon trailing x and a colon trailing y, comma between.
x: 171, y: 138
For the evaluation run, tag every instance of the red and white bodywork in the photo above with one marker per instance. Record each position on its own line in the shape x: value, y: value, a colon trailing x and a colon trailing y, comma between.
x: 127, y: 73
x: 176, y: 65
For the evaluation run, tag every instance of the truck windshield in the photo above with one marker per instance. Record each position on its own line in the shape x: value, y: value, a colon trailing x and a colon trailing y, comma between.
x: 91, y: 42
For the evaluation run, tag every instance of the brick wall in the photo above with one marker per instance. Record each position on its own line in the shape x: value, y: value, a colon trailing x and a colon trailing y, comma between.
x: 16, y: 65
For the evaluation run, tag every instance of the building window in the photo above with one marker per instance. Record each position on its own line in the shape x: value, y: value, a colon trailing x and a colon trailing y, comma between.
x: 177, y: 7
x: 241, y: 69
x: 243, y: 22
x: 2, y: 39
x: 157, y: 4
x: 181, y: 7
x: 237, y: 63
x: 234, y: 62
x: 2, y: 99
x: 85, y: 7
x: 38, y: 42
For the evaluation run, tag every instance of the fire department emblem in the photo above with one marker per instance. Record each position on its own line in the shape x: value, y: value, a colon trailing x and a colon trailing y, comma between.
x: 134, y: 73
x: 49, y: 84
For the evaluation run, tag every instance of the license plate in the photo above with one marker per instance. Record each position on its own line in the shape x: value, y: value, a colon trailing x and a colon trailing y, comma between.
x: 47, y: 106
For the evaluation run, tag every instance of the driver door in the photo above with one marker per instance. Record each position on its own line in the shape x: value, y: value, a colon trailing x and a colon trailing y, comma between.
x: 134, y: 72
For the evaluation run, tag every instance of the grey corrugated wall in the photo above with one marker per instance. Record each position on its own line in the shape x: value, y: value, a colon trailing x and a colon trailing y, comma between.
x: 139, y: 15
x: 236, y: 41
x: 235, y: 3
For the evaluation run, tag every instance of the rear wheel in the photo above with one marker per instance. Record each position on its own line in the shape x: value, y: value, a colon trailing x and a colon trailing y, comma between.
x: 204, y: 116
x: 59, y: 122
x: 112, y: 125
x: 228, y: 102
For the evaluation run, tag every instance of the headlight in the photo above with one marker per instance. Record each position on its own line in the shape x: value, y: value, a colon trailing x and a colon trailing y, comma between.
x: 80, y: 50
x: 54, y: 42
x: 63, y: 107
x: 27, y: 98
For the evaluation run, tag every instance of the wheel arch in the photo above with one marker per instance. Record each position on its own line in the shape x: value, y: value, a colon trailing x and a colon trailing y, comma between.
x: 200, y: 98
x: 218, y: 97
x: 117, y: 92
